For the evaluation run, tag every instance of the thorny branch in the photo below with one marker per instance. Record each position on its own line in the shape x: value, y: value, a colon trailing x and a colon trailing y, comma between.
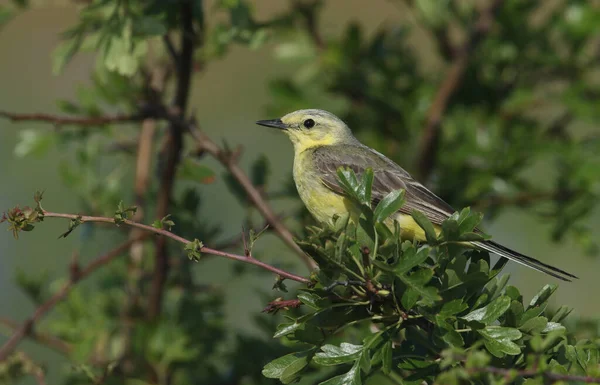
x: 27, y: 328
x: 42, y: 338
x: 70, y: 120
x: 431, y: 132
x: 205, y: 144
x: 177, y: 238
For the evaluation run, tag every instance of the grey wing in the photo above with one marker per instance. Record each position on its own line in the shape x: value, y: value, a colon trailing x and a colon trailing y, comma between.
x: 387, y: 177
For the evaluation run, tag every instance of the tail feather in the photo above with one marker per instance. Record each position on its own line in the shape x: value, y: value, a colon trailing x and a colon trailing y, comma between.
x: 524, y: 260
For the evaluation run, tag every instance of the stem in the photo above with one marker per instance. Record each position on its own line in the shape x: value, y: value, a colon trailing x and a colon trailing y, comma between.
x: 177, y: 238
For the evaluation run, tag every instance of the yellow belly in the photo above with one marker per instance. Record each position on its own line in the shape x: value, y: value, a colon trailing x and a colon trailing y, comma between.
x: 323, y: 203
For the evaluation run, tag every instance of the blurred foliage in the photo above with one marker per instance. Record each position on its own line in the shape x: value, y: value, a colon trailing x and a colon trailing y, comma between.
x: 399, y: 313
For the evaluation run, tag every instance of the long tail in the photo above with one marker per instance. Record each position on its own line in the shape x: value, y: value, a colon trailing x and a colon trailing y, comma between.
x: 524, y: 260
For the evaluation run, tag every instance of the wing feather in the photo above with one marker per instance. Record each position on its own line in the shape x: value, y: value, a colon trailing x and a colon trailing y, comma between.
x: 387, y: 177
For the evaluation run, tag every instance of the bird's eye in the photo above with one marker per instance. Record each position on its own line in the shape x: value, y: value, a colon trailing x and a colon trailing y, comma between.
x: 309, y: 123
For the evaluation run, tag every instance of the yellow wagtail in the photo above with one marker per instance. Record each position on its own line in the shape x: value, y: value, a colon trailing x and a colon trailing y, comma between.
x: 323, y: 143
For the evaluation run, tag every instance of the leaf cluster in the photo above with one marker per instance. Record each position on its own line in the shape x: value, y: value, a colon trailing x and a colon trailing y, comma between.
x: 438, y: 312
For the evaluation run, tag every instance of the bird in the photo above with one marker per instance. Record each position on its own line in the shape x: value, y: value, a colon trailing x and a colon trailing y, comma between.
x: 323, y: 143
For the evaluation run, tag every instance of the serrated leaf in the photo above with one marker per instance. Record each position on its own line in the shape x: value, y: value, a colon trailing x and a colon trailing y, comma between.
x: 499, y: 340
x: 491, y: 312
x: 334, y: 355
x: 390, y: 204
x: 309, y: 299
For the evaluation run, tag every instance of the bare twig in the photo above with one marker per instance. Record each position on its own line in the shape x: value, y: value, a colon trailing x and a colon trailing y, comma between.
x: 172, y: 153
x: 70, y: 120
x: 41, y: 338
x: 27, y: 327
x: 177, y: 238
x: 431, y: 132
x: 205, y: 144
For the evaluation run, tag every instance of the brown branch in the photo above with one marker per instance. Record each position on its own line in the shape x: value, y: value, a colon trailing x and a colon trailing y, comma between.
x: 172, y: 154
x: 48, y: 340
x: 70, y: 120
x: 136, y: 254
x: 205, y: 144
x: 431, y: 132
x: 177, y: 238
x: 26, y: 328
x: 531, y: 373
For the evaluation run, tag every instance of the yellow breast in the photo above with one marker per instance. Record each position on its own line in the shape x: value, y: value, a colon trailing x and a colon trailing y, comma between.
x: 320, y: 201
x: 323, y: 203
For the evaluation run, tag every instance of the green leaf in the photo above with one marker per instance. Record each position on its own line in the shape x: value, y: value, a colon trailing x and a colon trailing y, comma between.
x: 33, y: 142
x: 543, y: 295
x: 123, y: 56
x: 386, y: 357
x: 390, y: 204
x: 193, y: 250
x: 348, y: 182
x: 553, y: 326
x: 366, y: 186
x: 350, y: 378
x: 287, y: 367
x: 417, y: 282
x: 333, y: 355
x: 499, y: 340
x: 193, y: 171
x: 426, y: 225
x: 491, y: 312
x: 467, y: 221
x: 411, y: 258
x: 453, y: 307
x: 309, y: 299
x: 450, y: 230
x: 286, y: 328
x: 534, y: 325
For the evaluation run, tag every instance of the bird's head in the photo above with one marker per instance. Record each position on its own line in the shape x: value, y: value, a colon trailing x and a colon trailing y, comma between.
x: 311, y: 128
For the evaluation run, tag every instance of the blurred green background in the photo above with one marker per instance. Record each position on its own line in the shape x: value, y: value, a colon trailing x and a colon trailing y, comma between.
x: 227, y: 98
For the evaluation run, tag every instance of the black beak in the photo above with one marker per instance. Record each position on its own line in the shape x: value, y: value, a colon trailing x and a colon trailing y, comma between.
x: 276, y: 123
